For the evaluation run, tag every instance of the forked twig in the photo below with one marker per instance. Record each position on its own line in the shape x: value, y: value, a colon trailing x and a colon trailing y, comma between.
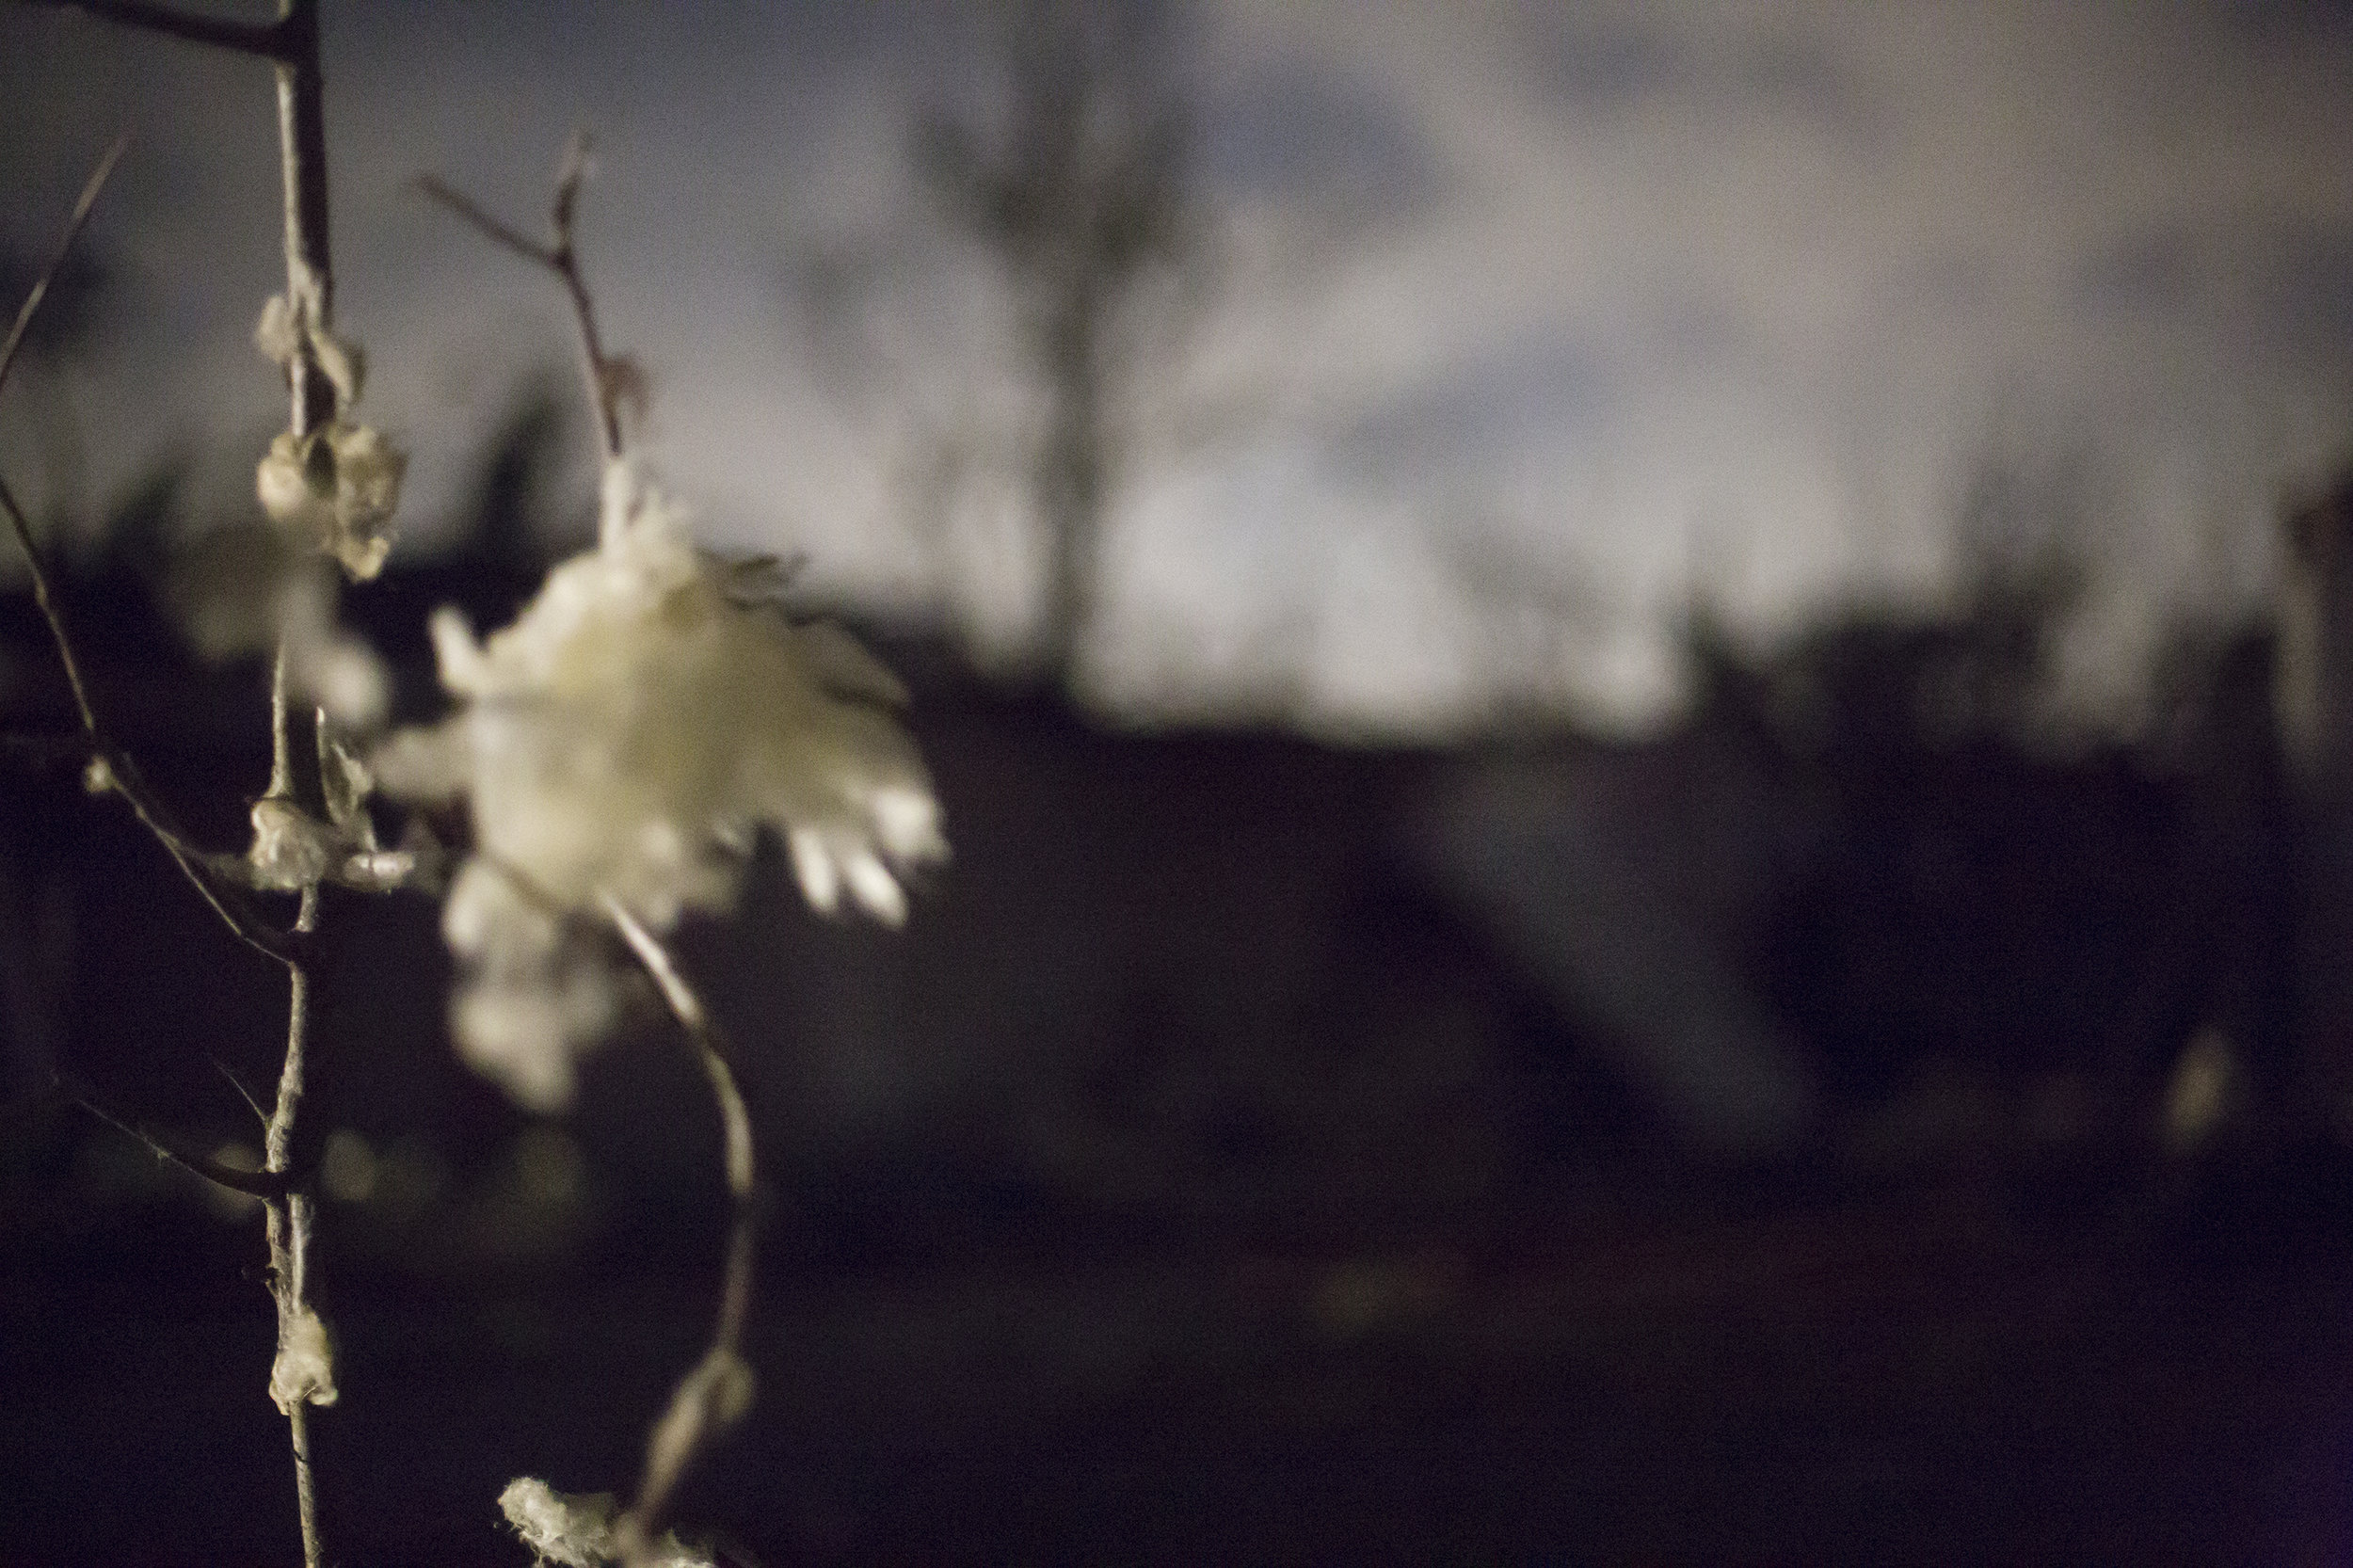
x: 606, y: 376
x: 270, y: 1186
x: 716, y: 1392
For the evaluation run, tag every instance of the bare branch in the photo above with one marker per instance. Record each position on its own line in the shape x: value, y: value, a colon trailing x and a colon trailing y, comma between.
x: 609, y: 379
x: 716, y: 1393
x: 122, y: 776
x: 45, y: 600
x: 90, y: 187
x: 290, y: 1222
x: 270, y: 1186
x: 491, y: 228
x: 262, y: 40
x: 314, y: 400
x: 291, y: 45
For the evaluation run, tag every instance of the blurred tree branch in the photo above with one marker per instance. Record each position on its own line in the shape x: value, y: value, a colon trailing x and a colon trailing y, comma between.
x: 716, y: 1392
x: 268, y: 41
x: 112, y: 767
x: 611, y: 381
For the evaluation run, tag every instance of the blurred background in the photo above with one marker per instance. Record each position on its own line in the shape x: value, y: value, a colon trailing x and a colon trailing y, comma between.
x: 1646, y: 711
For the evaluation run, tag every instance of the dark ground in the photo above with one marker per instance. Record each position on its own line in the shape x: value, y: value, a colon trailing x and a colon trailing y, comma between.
x: 2002, y: 1368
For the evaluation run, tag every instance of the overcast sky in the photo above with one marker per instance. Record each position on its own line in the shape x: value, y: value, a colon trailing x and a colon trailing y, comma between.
x: 1590, y: 307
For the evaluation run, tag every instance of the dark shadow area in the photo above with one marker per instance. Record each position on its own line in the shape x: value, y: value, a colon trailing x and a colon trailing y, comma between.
x: 1845, y: 1127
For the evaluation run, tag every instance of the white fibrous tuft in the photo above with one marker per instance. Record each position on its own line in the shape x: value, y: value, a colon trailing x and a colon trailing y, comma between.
x: 334, y: 490
x: 304, y: 1373
x: 576, y: 1530
x: 625, y: 740
x: 292, y: 849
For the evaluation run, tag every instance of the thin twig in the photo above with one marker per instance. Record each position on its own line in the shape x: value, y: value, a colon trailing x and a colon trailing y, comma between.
x: 90, y: 187
x: 262, y: 40
x: 266, y: 1185
x: 604, y: 376
x: 311, y: 402
x: 302, y: 161
x: 716, y: 1393
x: 292, y: 44
x: 46, y: 602
x: 289, y: 1225
x: 238, y: 1084
x: 123, y: 778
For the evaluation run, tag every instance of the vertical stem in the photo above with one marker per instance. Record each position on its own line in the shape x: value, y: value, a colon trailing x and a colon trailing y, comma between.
x: 302, y: 143
x: 289, y: 1222
x: 714, y: 1394
x: 310, y: 280
x: 280, y: 729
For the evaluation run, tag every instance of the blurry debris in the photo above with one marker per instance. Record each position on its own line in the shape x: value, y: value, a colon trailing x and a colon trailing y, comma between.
x: 1367, y: 1297
x: 2205, y: 1095
x: 237, y: 592
x: 347, y: 1169
x: 222, y: 1203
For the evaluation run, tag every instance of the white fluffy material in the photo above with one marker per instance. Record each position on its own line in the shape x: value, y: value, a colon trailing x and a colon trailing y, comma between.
x: 626, y: 739
x: 576, y: 1530
x: 304, y: 1373
x: 334, y: 490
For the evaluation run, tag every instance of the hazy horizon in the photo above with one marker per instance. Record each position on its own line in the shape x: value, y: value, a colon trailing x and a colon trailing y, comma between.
x: 1578, y: 314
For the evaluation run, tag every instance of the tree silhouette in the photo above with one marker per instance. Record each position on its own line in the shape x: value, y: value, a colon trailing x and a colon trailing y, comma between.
x: 1082, y: 194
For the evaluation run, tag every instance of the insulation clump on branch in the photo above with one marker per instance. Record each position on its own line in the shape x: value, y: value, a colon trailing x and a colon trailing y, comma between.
x: 622, y: 744
x: 576, y: 1530
x: 334, y: 489
x: 304, y: 1373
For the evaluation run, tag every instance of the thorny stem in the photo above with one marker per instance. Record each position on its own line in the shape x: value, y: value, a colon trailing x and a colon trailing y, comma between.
x: 715, y: 1393
x: 302, y: 141
x: 606, y: 378
x: 281, y: 731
